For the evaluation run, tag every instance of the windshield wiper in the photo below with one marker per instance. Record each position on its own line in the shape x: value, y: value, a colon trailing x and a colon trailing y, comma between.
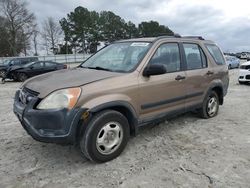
x: 98, y: 68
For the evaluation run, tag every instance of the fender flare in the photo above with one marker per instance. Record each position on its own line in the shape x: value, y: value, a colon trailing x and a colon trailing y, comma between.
x: 132, y: 116
x: 217, y: 85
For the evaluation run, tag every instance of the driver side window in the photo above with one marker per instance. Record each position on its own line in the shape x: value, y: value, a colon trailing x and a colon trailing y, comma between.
x: 168, y: 55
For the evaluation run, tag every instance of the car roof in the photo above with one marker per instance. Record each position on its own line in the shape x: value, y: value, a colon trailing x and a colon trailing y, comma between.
x: 174, y: 37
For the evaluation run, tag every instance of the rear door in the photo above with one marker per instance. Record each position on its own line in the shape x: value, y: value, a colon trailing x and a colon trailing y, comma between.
x: 49, y: 66
x: 198, y: 75
x: 36, y: 69
x: 162, y: 94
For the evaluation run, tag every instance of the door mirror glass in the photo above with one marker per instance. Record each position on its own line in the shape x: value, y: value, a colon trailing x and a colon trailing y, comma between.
x: 154, y: 69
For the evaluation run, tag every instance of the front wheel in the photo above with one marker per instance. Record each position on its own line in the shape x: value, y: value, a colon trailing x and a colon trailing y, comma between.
x: 22, y: 77
x: 2, y: 73
x: 105, y: 137
x: 240, y: 82
x: 210, y: 106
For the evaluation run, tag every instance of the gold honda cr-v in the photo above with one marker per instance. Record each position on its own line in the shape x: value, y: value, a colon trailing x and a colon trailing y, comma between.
x: 124, y: 86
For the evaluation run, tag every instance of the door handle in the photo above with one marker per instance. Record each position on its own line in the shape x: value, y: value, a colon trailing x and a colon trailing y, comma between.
x: 210, y: 73
x: 179, y: 77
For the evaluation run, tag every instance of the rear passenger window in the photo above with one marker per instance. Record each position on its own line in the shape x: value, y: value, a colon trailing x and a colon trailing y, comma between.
x: 195, y: 57
x: 169, y: 56
x: 216, y: 54
x: 48, y: 64
x: 38, y: 65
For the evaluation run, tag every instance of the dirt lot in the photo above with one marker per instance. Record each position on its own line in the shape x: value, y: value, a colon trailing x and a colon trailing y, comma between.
x: 184, y: 152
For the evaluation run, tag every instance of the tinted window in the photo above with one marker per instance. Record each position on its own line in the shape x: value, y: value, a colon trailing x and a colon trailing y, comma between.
x: 216, y: 54
x: 24, y: 61
x: 49, y: 64
x: 169, y: 56
x: 37, y: 65
x: 195, y: 57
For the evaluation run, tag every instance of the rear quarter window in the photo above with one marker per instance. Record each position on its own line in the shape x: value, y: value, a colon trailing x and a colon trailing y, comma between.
x: 216, y: 54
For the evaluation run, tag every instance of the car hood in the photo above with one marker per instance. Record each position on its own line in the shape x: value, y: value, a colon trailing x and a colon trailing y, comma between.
x: 47, y: 83
x: 16, y: 67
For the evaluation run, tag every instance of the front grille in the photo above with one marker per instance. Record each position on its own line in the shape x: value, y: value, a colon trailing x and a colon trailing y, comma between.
x: 247, y: 76
x: 26, y: 95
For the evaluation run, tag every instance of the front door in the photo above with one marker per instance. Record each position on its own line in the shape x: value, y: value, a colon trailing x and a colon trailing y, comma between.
x: 162, y: 94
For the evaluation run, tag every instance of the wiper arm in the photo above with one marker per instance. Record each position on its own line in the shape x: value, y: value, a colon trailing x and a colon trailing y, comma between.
x: 98, y: 68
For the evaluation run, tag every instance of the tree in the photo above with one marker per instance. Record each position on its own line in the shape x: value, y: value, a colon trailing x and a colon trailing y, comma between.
x: 80, y: 22
x: 18, y: 23
x: 4, y: 44
x: 84, y: 29
x: 131, y: 30
x: 67, y: 36
x: 153, y: 29
x: 34, y: 39
x: 51, y: 34
x: 81, y: 29
x: 113, y: 27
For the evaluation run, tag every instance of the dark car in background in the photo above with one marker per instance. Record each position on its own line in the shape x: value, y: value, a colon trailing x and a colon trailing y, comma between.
x: 22, y: 73
x: 15, y: 62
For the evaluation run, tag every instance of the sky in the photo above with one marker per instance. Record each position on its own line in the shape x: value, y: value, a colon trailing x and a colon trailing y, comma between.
x: 223, y: 21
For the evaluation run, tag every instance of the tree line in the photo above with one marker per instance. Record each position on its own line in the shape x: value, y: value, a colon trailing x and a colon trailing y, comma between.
x: 81, y: 31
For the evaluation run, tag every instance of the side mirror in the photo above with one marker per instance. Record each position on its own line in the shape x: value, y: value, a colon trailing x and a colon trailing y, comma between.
x: 154, y: 69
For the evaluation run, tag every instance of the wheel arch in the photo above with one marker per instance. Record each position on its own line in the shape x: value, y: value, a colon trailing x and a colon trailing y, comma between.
x: 218, y: 88
x: 124, y: 108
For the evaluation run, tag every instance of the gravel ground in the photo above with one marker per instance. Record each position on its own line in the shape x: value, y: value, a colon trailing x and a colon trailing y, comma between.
x: 183, y: 152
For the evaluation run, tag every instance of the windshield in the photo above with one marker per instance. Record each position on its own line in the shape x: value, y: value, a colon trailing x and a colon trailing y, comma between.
x: 118, y: 57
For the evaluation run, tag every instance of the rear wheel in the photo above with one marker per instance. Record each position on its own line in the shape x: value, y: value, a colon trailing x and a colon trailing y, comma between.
x: 22, y: 77
x: 105, y: 137
x: 210, y: 105
x: 2, y: 73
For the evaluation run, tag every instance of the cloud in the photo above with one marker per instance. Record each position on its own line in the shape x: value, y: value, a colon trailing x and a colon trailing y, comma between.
x: 221, y: 21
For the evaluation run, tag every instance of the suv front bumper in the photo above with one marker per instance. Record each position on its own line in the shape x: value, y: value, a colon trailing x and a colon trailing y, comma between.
x: 54, y: 126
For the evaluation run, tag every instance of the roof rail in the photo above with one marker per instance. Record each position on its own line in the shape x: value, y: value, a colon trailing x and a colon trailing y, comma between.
x: 175, y: 35
x: 194, y: 37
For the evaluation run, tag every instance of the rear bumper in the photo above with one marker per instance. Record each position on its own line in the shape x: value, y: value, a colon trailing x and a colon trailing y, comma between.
x: 52, y: 126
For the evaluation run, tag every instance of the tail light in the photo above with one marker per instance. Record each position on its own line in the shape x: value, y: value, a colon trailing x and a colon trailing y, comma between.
x: 65, y: 67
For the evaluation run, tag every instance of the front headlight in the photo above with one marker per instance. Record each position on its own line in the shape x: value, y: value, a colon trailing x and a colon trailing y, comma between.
x: 65, y: 98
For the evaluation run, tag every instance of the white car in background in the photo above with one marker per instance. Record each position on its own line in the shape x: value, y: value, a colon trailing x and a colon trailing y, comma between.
x: 244, y: 73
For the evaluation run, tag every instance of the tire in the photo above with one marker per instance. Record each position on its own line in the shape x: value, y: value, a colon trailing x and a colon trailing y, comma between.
x: 229, y: 67
x: 240, y: 82
x: 2, y: 73
x: 22, y: 77
x: 210, y: 106
x: 105, y: 137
